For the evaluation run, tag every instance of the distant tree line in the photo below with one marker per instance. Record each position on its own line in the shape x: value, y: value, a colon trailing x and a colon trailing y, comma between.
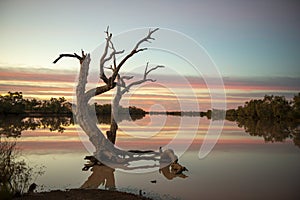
x: 14, y: 103
x: 270, y: 107
x: 105, y: 109
x: 179, y: 113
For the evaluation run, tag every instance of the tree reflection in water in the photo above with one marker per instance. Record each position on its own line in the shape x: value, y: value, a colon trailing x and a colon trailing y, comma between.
x: 172, y: 171
x: 104, y: 175
x: 13, y: 126
x: 272, y: 130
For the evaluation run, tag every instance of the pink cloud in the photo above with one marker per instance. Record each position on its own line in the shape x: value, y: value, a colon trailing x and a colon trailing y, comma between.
x: 41, y: 84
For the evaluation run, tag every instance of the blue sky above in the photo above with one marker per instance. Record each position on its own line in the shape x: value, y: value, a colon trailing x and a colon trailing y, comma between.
x: 244, y: 38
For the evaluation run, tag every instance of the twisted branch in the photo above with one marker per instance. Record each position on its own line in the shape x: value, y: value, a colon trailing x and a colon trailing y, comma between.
x: 134, y: 51
x: 146, y: 39
x: 145, y: 79
x: 104, y: 58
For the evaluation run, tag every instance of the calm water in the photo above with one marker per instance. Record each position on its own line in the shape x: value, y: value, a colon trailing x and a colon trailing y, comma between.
x: 239, y: 167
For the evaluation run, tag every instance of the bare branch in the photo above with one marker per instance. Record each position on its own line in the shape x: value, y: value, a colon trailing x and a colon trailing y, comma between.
x: 134, y: 51
x: 70, y: 55
x: 146, y: 39
x: 145, y: 79
x: 115, y: 68
x: 152, y: 69
x: 146, y: 68
x: 106, y: 30
x: 103, y: 57
x: 127, y: 88
x: 110, y: 67
x: 112, y: 55
x: 96, y: 91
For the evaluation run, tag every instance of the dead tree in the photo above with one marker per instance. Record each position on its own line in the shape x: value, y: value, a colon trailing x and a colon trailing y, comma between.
x: 106, y: 152
x: 123, y: 88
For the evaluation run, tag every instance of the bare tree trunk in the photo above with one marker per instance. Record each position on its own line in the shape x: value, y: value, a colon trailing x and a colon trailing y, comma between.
x: 106, y: 152
x: 115, y: 118
x: 112, y: 133
x: 105, y: 149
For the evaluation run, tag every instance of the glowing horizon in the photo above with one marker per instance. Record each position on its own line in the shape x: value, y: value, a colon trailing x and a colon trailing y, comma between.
x: 44, y: 85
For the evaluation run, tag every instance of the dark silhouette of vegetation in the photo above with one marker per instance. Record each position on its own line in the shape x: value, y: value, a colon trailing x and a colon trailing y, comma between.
x: 272, y: 130
x: 274, y: 118
x: 14, y: 103
x: 132, y: 110
x: 15, y: 174
x: 129, y: 114
x: 180, y: 113
x: 12, y: 126
x: 270, y: 107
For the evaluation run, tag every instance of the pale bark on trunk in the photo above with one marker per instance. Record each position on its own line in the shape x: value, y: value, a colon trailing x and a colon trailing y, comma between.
x: 105, y: 149
x: 106, y: 152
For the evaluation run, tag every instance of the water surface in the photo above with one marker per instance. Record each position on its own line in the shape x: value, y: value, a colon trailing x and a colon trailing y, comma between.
x: 239, y: 167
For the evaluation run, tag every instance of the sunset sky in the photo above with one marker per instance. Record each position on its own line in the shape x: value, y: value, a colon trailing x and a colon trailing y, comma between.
x: 254, y: 44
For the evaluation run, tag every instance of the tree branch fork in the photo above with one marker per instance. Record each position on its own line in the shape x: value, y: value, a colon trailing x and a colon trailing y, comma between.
x: 109, y: 55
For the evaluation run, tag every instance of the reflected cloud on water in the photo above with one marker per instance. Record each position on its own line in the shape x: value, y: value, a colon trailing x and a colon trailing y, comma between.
x: 105, y: 176
x: 270, y: 130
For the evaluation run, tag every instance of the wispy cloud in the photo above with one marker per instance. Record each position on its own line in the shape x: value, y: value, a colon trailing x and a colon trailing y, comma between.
x: 168, y: 91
